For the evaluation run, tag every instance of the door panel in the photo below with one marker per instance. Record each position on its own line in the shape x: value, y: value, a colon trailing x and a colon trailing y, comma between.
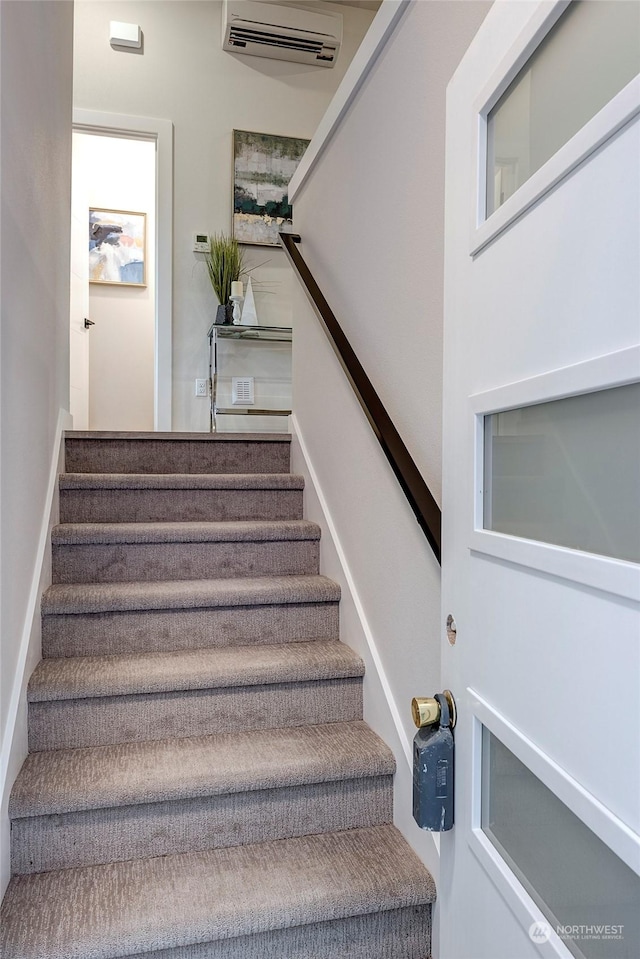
x: 547, y: 640
x: 551, y: 661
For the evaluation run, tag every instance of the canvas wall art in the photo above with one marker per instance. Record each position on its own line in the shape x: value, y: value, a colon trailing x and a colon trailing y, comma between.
x: 263, y: 164
x: 117, y: 245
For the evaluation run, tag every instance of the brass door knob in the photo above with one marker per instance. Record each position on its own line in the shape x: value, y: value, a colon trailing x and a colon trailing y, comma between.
x: 426, y: 711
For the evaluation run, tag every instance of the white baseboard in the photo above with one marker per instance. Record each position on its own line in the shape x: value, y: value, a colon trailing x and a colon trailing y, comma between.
x: 381, y: 710
x: 349, y: 581
x: 14, y: 741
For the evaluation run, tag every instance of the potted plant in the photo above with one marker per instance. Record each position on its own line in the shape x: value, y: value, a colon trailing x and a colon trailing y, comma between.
x: 225, y: 263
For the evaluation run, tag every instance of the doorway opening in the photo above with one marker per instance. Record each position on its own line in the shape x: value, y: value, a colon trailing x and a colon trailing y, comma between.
x: 121, y: 366
x: 112, y: 361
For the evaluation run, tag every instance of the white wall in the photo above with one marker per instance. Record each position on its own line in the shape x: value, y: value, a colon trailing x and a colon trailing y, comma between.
x: 182, y: 74
x: 36, y: 65
x: 371, y: 218
x: 120, y: 174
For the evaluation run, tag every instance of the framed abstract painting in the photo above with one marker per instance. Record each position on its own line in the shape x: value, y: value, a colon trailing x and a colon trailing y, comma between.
x: 117, y: 247
x: 263, y: 164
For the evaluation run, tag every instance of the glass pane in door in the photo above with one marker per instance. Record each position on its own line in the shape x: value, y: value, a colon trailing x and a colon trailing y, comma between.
x: 584, y: 891
x: 587, y: 57
x: 568, y: 472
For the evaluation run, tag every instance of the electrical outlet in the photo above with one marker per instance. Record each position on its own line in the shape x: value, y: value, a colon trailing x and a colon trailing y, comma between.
x: 202, y: 387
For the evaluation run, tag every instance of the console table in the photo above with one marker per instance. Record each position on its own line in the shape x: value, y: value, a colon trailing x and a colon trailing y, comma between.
x: 220, y: 333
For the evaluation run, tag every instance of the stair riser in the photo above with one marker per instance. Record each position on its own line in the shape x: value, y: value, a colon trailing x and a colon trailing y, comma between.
x: 393, y: 934
x: 175, y: 456
x: 159, y: 829
x: 118, y: 719
x: 179, y: 506
x: 153, y: 562
x: 109, y: 634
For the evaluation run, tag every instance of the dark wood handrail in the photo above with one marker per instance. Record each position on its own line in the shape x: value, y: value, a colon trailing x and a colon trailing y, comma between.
x: 419, y: 495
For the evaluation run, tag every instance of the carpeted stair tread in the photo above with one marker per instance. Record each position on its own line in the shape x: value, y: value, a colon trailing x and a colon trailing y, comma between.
x: 87, y: 677
x: 229, y: 531
x: 121, y: 909
x: 181, y: 481
x: 187, y: 594
x: 69, y: 780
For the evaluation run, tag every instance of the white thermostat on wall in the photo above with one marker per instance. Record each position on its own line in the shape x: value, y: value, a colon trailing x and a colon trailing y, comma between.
x: 200, y: 243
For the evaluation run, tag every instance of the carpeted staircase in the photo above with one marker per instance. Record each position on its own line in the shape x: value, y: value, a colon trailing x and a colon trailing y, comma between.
x: 200, y: 781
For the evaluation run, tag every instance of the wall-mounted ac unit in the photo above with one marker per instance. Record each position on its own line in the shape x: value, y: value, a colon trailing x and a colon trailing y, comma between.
x: 281, y: 33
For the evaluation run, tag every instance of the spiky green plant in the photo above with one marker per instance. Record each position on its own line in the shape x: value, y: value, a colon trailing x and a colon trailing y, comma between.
x: 225, y: 263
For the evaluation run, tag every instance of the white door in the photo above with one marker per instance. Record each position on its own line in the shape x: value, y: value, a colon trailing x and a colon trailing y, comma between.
x: 79, y: 335
x: 159, y: 249
x: 121, y: 175
x: 541, y: 511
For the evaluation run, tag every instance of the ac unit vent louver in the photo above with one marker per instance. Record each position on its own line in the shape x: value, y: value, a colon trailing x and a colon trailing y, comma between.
x: 241, y: 36
x: 282, y: 33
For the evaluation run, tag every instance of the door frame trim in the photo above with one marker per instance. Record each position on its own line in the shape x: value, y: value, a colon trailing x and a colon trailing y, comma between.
x: 161, y: 131
x: 605, y: 824
x: 504, y: 880
x: 612, y: 831
x: 619, y: 111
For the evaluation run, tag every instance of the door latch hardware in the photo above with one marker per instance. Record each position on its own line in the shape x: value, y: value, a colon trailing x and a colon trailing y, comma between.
x: 433, y: 755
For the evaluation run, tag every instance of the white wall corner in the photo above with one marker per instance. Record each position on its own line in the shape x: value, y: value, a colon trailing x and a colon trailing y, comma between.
x: 381, y: 711
x: 15, y: 740
x: 382, y: 26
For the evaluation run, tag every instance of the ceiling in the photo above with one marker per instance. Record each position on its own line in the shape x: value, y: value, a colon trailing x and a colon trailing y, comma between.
x: 373, y: 5
x: 367, y: 4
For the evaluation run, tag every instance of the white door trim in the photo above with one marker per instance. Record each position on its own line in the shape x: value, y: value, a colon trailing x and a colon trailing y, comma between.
x: 151, y: 128
x: 623, y: 108
x: 508, y: 886
x: 605, y: 124
x: 607, y: 826
x: 615, y: 833
x: 616, y: 576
